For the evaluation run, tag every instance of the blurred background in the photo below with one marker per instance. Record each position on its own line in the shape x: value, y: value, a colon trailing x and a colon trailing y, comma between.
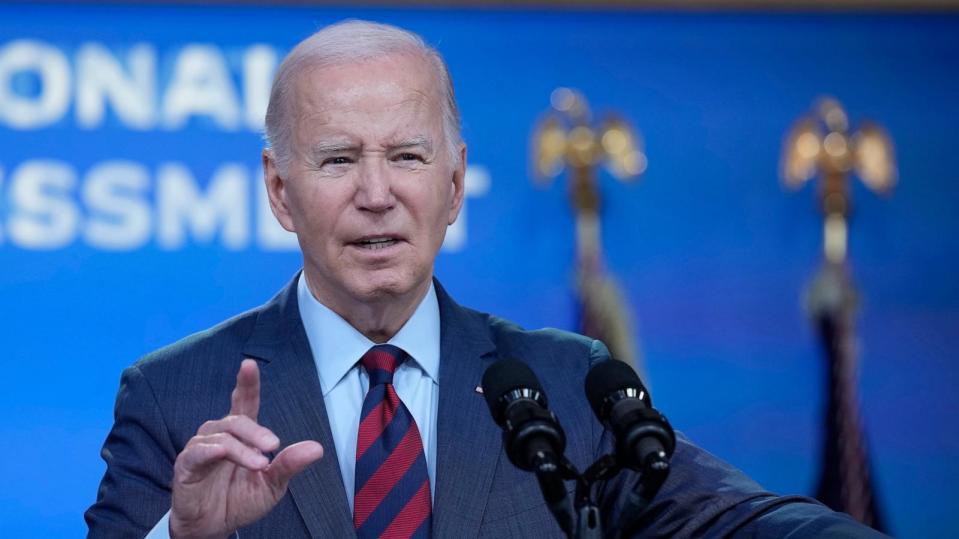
x: 131, y: 214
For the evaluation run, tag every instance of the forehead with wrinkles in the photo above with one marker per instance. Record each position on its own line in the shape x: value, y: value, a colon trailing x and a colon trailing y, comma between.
x: 397, y: 84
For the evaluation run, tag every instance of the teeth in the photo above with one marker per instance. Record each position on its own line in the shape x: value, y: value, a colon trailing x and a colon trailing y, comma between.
x: 376, y: 243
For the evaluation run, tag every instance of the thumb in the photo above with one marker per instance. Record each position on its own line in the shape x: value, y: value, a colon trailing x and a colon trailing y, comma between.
x: 292, y: 460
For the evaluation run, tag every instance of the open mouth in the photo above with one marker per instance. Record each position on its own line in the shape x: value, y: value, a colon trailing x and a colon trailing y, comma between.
x: 376, y: 243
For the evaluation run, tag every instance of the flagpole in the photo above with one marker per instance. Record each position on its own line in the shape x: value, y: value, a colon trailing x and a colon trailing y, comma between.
x: 567, y: 138
x: 820, y: 144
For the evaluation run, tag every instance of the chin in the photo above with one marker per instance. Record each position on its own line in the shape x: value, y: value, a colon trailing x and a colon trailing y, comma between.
x: 379, y: 288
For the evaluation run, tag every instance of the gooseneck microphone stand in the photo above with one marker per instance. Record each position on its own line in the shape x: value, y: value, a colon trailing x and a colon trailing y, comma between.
x: 584, y: 520
x: 551, y: 472
x: 590, y: 523
x: 650, y: 480
x: 534, y: 441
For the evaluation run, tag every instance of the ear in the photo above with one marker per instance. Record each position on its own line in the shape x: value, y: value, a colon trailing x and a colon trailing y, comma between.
x: 459, y: 185
x: 276, y: 190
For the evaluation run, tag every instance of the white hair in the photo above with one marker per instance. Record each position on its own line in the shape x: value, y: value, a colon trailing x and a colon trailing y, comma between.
x: 348, y: 42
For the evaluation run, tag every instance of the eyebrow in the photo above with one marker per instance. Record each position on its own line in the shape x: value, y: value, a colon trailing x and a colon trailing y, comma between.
x: 336, y: 146
x: 410, y: 142
x: 332, y: 147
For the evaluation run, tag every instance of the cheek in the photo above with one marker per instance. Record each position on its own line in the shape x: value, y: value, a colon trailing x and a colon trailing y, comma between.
x: 439, y: 213
x: 315, y: 225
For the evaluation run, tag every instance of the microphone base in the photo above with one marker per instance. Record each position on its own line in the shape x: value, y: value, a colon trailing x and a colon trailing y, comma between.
x: 589, y: 525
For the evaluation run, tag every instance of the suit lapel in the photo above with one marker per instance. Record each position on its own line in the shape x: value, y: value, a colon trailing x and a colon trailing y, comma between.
x: 468, y: 440
x: 292, y: 407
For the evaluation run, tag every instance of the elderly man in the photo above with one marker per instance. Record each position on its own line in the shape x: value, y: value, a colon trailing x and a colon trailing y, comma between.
x: 348, y: 404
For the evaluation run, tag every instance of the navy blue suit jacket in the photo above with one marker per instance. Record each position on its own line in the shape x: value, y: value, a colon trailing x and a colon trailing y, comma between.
x: 167, y: 395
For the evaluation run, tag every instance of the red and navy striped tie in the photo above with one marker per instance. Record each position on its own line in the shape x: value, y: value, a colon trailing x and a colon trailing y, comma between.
x: 392, y: 490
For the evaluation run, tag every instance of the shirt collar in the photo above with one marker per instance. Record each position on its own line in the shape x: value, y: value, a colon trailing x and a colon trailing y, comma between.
x: 337, y: 346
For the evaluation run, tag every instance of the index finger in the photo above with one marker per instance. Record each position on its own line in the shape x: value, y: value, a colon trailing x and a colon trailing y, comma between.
x: 245, y: 399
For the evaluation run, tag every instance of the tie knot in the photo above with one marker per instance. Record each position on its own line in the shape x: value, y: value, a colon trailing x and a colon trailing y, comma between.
x: 381, y: 362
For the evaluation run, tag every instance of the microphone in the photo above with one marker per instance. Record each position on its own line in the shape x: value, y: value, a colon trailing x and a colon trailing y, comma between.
x: 531, y: 433
x: 532, y: 437
x: 644, y: 439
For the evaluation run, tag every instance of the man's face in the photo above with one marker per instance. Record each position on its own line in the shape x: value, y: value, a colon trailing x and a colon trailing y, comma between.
x: 371, y: 187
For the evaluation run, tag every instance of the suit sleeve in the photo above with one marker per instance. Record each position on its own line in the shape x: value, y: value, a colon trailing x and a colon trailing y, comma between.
x: 135, y: 491
x: 706, y: 497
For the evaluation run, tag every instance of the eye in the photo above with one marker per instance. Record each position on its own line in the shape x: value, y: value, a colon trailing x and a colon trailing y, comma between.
x: 407, y: 156
x: 338, y: 160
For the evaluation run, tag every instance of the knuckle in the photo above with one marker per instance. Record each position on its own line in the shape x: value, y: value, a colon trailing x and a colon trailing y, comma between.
x: 208, y: 427
x: 237, y: 424
x: 193, y: 442
x: 216, y: 438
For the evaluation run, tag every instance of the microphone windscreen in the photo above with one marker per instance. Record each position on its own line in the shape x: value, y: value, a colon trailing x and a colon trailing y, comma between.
x: 501, y: 378
x: 607, y: 377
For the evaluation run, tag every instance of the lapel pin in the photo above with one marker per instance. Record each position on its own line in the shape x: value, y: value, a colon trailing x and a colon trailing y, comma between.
x: 479, y: 389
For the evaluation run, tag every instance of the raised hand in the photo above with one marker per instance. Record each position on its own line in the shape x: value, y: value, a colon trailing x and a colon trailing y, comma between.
x: 222, y: 481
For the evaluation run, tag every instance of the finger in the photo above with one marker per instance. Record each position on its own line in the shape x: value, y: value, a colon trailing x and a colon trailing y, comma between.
x: 292, y: 460
x: 196, y: 459
x: 202, y: 451
x: 245, y: 399
x: 244, y: 429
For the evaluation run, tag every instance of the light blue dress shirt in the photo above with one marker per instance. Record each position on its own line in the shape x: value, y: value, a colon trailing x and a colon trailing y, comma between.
x: 337, y: 348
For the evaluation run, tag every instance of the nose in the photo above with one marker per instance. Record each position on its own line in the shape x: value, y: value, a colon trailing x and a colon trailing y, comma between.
x: 374, y: 189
